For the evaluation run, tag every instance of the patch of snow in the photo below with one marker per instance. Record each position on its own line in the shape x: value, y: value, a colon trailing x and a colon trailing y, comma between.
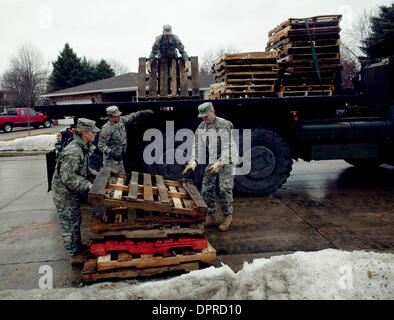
x: 326, y: 274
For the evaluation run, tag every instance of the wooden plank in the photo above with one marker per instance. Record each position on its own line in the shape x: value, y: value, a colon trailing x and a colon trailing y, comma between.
x: 133, y: 186
x: 98, y: 189
x: 174, y: 88
x: 176, y: 201
x: 164, y: 77
x: 195, y: 76
x: 142, y: 77
x: 162, y: 189
x: 194, y: 193
x: 118, y: 193
x: 89, y: 277
x: 148, y: 193
x: 155, y: 232
x: 148, y: 261
x: 183, y: 79
x: 153, y: 79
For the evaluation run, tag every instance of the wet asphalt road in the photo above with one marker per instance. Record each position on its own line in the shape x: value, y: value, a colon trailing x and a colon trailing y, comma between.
x: 326, y: 204
x: 29, y: 131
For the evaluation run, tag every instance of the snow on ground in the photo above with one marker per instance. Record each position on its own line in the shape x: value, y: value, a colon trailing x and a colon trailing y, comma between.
x: 326, y: 274
x: 35, y: 143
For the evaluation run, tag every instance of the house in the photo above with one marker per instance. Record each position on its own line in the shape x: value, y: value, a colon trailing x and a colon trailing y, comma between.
x: 7, y: 99
x: 122, y: 88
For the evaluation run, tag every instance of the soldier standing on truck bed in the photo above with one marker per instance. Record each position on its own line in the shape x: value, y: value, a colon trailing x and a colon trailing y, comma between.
x: 70, y: 180
x: 165, y: 47
x: 113, y: 140
x: 223, y: 156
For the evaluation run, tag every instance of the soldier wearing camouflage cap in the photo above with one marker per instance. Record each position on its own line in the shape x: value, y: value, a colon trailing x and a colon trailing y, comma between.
x: 215, y: 134
x: 70, y: 180
x: 165, y: 46
x: 113, y: 140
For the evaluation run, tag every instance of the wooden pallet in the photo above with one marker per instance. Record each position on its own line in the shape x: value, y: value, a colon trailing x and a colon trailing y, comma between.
x: 126, y: 225
x: 153, y: 194
x: 123, y: 265
x: 89, y: 275
x: 317, y: 21
x: 168, y: 80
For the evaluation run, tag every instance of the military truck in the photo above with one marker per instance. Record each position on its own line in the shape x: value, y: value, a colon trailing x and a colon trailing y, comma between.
x: 356, y: 127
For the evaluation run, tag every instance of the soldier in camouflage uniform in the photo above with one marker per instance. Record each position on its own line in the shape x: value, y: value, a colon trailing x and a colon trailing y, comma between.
x: 165, y: 47
x: 70, y: 180
x: 113, y: 140
x: 223, y: 156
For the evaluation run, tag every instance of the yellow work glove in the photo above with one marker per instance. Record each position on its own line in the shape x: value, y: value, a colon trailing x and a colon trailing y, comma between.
x: 215, y: 168
x: 190, y: 166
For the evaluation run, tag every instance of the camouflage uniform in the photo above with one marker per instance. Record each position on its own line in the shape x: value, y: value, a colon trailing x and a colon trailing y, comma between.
x: 113, y: 141
x: 226, y: 151
x: 70, y: 180
x: 163, y: 48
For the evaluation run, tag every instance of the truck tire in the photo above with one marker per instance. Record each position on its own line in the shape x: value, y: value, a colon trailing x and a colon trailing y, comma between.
x: 365, y: 163
x: 271, y: 164
x: 7, y: 127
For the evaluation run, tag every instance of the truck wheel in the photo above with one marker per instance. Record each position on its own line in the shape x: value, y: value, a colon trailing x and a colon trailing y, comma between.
x: 365, y: 163
x: 271, y: 164
x: 7, y: 127
x: 47, y: 123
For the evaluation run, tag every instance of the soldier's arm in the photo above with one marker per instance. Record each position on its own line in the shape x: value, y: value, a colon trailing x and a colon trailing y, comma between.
x: 69, y: 174
x: 181, y: 48
x: 229, y: 152
x: 155, y: 50
x: 135, y: 116
x: 103, y: 142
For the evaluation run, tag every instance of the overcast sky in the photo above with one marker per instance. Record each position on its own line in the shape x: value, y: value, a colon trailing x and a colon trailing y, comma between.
x: 124, y: 30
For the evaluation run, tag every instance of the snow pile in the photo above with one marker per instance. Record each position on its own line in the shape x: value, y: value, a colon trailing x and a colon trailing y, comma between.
x: 325, y: 274
x: 35, y: 143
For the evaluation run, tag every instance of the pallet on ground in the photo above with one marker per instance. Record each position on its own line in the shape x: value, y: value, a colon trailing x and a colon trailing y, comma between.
x: 123, y: 265
x: 150, y: 193
x: 91, y: 275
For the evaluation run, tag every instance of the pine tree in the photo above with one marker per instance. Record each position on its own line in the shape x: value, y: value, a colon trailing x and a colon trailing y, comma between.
x: 67, y: 70
x: 381, y: 41
x: 89, y: 71
x: 104, y: 70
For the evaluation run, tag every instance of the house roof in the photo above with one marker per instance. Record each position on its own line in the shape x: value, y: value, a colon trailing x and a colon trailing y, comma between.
x: 124, y: 82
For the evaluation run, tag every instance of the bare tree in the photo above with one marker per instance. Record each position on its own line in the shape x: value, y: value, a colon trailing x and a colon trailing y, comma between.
x: 210, y: 55
x: 26, y: 76
x: 119, y: 67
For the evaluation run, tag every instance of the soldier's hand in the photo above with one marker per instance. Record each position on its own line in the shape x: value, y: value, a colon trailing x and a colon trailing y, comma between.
x: 187, y: 66
x: 190, y: 166
x: 215, y: 168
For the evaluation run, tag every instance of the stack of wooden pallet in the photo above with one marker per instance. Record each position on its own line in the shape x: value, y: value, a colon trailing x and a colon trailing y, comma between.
x: 244, y: 75
x: 143, y: 225
x: 297, y: 68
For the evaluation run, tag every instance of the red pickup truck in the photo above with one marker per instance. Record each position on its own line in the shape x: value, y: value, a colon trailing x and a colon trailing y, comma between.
x: 23, y: 117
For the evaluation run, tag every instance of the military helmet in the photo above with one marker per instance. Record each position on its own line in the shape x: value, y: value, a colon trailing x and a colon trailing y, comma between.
x: 167, y: 29
x: 113, y: 111
x: 205, y: 109
x: 84, y: 124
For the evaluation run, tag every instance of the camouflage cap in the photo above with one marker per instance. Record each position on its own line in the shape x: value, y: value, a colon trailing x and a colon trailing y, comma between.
x: 167, y: 29
x: 84, y: 124
x: 113, y: 111
x: 205, y: 109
